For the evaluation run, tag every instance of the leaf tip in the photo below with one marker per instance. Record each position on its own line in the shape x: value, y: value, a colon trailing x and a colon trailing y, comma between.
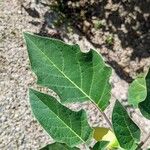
x: 27, y: 35
x: 32, y: 91
x: 117, y: 102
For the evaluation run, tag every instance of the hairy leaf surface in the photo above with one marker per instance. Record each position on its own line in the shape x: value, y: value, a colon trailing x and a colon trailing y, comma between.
x: 64, y: 125
x: 58, y: 146
x: 126, y: 131
x: 75, y: 76
x: 145, y: 105
x: 101, y: 145
x: 137, y: 91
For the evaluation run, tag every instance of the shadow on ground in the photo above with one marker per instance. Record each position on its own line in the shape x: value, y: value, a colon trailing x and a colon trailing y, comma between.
x: 129, y: 20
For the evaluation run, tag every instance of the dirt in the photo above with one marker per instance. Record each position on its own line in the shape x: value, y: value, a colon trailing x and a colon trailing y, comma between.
x: 119, y: 30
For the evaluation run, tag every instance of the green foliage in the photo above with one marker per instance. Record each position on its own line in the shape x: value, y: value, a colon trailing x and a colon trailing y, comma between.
x: 58, y: 146
x: 145, y: 105
x: 73, y: 75
x: 100, y: 145
x: 137, y: 91
x: 60, y: 122
x: 126, y: 131
x: 105, y: 134
x: 78, y: 77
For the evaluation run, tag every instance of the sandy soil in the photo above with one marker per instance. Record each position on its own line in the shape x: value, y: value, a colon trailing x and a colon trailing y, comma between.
x: 19, y: 130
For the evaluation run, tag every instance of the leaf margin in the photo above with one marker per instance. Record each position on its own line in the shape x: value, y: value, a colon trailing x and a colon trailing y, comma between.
x: 41, y: 123
x: 135, y: 140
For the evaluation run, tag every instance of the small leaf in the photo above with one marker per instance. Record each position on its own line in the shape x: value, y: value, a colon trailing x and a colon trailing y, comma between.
x: 64, y: 125
x: 137, y: 91
x: 100, y: 132
x: 75, y: 76
x: 58, y: 146
x: 100, y: 145
x: 145, y: 105
x: 105, y: 134
x: 126, y: 131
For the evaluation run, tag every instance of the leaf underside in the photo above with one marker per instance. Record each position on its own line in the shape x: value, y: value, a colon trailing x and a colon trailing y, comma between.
x: 75, y: 76
x: 64, y: 125
x: 145, y: 105
x: 57, y: 146
x: 137, y: 91
x: 126, y: 131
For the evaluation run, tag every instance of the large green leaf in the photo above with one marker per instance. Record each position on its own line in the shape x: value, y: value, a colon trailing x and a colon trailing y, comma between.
x: 126, y: 131
x: 145, y: 105
x: 101, y: 145
x: 57, y: 146
x: 73, y: 75
x: 137, y: 91
x: 61, y: 123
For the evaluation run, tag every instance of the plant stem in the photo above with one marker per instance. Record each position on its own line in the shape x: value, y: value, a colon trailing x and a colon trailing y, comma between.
x: 143, y: 142
x: 106, y: 118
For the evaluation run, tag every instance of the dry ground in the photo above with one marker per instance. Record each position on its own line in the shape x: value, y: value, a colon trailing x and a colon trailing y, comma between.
x: 19, y: 130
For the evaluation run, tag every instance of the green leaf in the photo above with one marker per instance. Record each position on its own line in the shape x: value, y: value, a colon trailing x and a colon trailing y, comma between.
x: 137, y: 91
x: 145, y: 105
x: 100, y: 132
x: 105, y: 134
x: 58, y: 146
x: 126, y: 131
x: 100, y: 145
x: 73, y: 75
x: 64, y: 125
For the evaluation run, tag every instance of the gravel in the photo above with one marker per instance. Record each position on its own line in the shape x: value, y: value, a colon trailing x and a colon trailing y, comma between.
x: 19, y: 129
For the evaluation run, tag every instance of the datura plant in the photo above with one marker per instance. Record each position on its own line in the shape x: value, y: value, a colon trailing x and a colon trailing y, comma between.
x: 78, y: 77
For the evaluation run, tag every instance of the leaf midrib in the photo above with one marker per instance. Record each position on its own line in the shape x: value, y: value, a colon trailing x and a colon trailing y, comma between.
x: 62, y: 121
x: 62, y: 72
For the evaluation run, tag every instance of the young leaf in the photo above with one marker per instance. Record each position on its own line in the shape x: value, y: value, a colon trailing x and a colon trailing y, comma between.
x: 105, y: 134
x: 58, y: 146
x: 137, y: 91
x: 99, y: 133
x: 64, y: 125
x: 100, y: 145
x: 126, y: 131
x: 145, y: 105
x: 73, y: 75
